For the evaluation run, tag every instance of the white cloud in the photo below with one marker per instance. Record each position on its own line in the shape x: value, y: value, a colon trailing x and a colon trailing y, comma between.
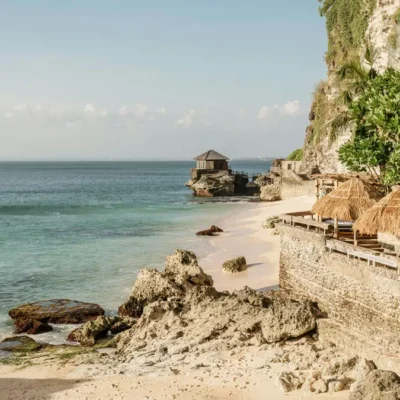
x: 267, y: 111
x: 37, y: 110
x: 141, y: 110
x: 8, y: 115
x: 263, y: 113
x: 104, y: 113
x: 292, y: 107
x: 187, y: 120
x: 89, y: 109
x: 123, y: 110
x: 20, y: 108
x: 162, y: 111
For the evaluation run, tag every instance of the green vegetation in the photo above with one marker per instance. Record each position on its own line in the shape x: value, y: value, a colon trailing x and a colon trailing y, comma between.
x: 296, y: 155
x: 346, y: 22
x: 375, y: 114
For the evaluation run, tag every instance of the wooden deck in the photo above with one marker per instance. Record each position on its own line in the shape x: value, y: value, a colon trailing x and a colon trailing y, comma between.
x: 305, y: 219
x: 365, y: 248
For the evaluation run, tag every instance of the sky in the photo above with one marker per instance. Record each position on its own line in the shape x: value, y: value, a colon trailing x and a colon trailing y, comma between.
x: 157, y: 79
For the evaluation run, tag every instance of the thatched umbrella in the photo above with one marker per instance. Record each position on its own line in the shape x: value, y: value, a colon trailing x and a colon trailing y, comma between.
x: 384, y: 216
x: 347, y: 202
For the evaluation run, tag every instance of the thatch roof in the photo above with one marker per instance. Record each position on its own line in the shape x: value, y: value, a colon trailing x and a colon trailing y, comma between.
x: 384, y: 216
x: 211, y: 155
x: 348, y: 201
x: 344, y: 177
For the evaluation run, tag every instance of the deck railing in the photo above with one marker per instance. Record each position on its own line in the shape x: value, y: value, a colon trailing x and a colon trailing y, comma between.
x: 299, y: 219
x: 371, y: 256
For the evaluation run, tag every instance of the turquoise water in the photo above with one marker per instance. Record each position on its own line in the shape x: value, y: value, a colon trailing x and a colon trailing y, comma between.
x: 83, y: 230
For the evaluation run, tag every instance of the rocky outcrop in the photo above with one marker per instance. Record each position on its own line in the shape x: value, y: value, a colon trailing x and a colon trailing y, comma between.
x: 121, y: 325
x: 235, y: 265
x: 183, y: 311
x: 58, y: 311
x: 210, y: 232
x: 377, y: 385
x: 19, y: 344
x: 31, y: 326
x: 213, y: 184
x: 181, y: 272
x: 264, y: 180
x: 270, y: 193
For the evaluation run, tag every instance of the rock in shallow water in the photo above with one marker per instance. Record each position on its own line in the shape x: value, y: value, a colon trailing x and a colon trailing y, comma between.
x: 210, y: 232
x: 31, y: 326
x: 21, y: 344
x: 236, y: 265
x: 57, y: 311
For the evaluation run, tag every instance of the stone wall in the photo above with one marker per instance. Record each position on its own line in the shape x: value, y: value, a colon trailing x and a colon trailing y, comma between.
x: 361, y: 302
x: 292, y: 189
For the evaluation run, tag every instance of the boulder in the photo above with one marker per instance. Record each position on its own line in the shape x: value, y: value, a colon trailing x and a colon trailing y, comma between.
x: 377, y: 385
x: 264, y: 180
x: 88, y: 333
x: 57, y: 311
x: 22, y: 344
x: 214, y: 184
x: 235, y: 265
x: 122, y: 325
x: 270, y: 193
x: 270, y: 222
x: 181, y: 273
x: 287, y: 319
x: 290, y: 381
x: 183, y: 268
x: 210, y: 232
x: 31, y: 326
x: 150, y: 286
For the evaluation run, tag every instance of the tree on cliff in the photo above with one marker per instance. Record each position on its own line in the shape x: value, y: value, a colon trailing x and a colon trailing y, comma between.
x: 375, y: 115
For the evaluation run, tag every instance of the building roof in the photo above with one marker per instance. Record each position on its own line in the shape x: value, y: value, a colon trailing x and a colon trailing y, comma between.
x: 384, y: 216
x: 348, y: 201
x: 211, y: 155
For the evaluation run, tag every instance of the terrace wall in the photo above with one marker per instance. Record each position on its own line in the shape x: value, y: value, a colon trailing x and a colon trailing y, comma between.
x: 361, y: 302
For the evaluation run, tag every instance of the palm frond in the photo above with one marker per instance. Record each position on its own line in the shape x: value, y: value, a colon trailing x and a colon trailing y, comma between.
x: 352, y: 70
x: 338, y: 124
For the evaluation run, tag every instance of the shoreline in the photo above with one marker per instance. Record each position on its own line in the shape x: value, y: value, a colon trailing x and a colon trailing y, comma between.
x: 246, y: 373
x: 244, y: 236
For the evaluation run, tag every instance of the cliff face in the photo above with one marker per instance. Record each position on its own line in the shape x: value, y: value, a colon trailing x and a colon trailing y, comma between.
x: 351, y: 25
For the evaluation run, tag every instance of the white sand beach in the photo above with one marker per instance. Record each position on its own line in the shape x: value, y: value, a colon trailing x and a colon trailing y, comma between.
x: 241, y: 374
x: 244, y: 236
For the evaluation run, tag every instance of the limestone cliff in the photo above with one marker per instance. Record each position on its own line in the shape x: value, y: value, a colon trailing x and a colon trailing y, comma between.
x: 351, y: 26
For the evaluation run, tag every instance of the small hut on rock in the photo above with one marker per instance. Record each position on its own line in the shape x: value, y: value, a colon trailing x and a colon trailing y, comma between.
x: 347, y: 202
x: 383, y: 219
x: 213, y: 161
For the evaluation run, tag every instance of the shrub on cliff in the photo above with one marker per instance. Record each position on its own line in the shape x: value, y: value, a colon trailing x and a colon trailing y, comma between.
x: 375, y: 114
x: 296, y: 155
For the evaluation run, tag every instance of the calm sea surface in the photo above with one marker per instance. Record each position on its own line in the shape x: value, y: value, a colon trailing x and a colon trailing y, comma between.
x: 82, y: 230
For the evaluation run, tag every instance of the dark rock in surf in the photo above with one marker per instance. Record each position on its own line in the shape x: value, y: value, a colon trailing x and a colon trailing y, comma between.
x: 210, y: 232
x: 57, y: 311
x: 31, y: 326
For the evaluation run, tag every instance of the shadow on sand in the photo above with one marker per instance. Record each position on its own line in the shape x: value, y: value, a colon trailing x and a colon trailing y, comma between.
x: 35, y: 389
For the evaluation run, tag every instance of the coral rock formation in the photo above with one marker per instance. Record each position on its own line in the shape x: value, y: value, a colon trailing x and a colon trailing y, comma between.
x: 214, y: 184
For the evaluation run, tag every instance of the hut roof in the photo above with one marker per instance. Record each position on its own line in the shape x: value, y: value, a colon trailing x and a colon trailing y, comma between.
x: 344, y: 177
x: 211, y: 155
x: 384, y: 216
x: 348, y: 201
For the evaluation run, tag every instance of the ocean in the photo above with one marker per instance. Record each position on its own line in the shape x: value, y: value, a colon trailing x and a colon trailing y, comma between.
x: 83, y: 230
